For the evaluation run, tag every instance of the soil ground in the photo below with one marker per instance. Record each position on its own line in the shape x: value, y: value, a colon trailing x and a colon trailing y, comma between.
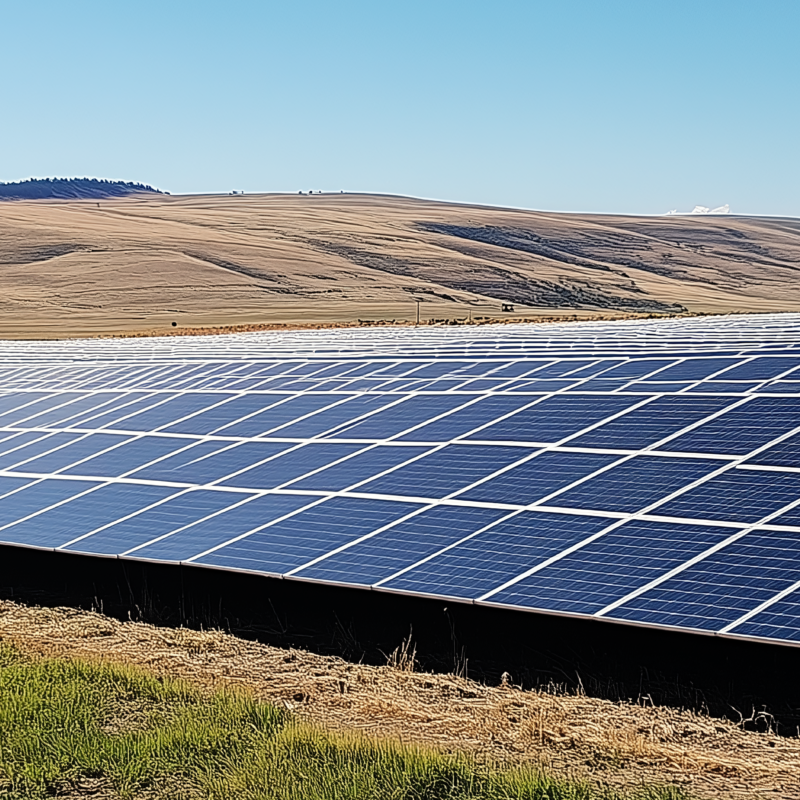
x: 617, y: 744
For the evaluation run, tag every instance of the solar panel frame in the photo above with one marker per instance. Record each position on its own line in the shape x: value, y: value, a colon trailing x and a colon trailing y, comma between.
x: 74, y: 391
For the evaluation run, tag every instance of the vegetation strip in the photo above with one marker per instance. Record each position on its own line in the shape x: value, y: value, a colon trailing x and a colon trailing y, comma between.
x: 69, y: 727
x: 596, y: 742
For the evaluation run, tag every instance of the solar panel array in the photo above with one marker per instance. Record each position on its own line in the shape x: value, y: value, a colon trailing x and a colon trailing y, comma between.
x: 646, y: 472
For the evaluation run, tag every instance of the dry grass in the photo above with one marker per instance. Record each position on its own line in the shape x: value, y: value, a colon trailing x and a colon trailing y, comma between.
x: 620, y: 744
x: 140, y: 263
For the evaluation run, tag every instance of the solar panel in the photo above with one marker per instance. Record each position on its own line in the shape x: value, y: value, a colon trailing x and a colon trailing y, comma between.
x: 643, y: 471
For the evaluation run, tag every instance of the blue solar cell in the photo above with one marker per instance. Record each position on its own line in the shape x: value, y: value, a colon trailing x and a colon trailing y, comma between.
x: 742, y: 429
x: 88, y: 512
x: 403, y: 544
x: 761, y: 369
x: 587, y: 369
x: 656, y: 387
x: 37, y: 445
x: 193, y: 467
x: 400, y: 369
x: 333, y: 417
x: 223, y: 527
x: 791, y: 517
x: 736, y: 495
x: 722, y: 387
x: 168, y: 412
x: 695, y: 369
x: 440, y: 369
x: 369, y: 368
x: 519, y: 368
x: 180, y: 510
x: 307, y: 535
x: 611, y: 567
x: 544, y: 386
x: 537, y: 478
x: 218, y: 417
x: 637, y: 368
x: 723, y: 586
x: 313, y: 367
x: 467, y: 419
x: 445, y: 471
x: 61, y: 417
x: 298, y: 384
x: 175, y: 377
x: 291, y: 465
x: 103, y: 379
x: 189, y: 465
x: 279, y: 415
x: 781, y: 387
x: 484, y: 385
x: 557, y: 369
x: 555, y: 418
x: 130, y: 456
x: 647, y: 425
x: 14, y: 400
x: 244, y: 384
x: 8, y: 439
x: 11, y: 484
x: 81, y: 448
x: 359, y: 468
x: 334, y: 385
x: 486, y: 561
x: 783, y: 454
x: 394, y: 420
x: 16, y: 441
x: 333, y: 370
x: 24, y: 409
x: 408, y: 384
x: 781, y: 621
x: 447, y: 385
x: 602, y: 384
x: 635, y: 484
x: 121, y: 412
x: 37, y: 496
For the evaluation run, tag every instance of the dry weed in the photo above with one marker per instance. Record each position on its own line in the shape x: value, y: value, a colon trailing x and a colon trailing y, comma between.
x: 621, y: 744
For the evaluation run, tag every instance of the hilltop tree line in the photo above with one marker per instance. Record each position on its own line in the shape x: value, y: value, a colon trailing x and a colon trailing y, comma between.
x: 70, y: 188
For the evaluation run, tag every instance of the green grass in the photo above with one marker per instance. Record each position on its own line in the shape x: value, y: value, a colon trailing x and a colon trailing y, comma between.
x: 67, y: 727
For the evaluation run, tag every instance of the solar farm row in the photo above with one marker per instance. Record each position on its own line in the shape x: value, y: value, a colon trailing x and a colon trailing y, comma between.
x: 658, y: 488
x: 761, y: 333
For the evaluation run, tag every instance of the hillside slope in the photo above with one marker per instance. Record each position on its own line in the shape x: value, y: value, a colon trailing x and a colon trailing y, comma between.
x: 69, y: 267
x: 70, y: 188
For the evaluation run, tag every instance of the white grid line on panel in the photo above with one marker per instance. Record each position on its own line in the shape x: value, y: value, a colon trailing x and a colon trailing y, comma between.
x: 640, y: 514
x: 696, y: 559
x: 761, y: 607
x: 431, y: 501
x: 421, y: 561
x: 247, y: 499
x: 124, y: 518
x: 269, y: 524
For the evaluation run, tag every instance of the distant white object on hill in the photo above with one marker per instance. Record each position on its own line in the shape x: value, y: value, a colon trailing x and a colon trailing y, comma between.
x: 726, y: 209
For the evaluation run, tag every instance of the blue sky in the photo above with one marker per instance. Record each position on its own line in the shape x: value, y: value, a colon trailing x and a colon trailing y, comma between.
x: 577, y: 105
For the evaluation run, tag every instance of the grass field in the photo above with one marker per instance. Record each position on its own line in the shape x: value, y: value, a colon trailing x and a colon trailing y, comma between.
x: 141, y: 263
x: 76, y: 729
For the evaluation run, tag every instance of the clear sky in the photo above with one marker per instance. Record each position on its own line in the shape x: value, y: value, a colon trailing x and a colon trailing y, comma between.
x: 631, y: 106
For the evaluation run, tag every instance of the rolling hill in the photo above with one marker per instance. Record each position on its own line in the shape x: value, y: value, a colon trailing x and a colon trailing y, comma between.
x: 70, y: 188
x: 143, y: 261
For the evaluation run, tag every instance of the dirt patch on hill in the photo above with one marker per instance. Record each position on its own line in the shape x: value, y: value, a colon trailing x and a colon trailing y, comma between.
x: 621, y: 744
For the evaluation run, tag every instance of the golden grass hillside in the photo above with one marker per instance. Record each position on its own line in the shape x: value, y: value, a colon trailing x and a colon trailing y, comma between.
x: 85, y: 267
